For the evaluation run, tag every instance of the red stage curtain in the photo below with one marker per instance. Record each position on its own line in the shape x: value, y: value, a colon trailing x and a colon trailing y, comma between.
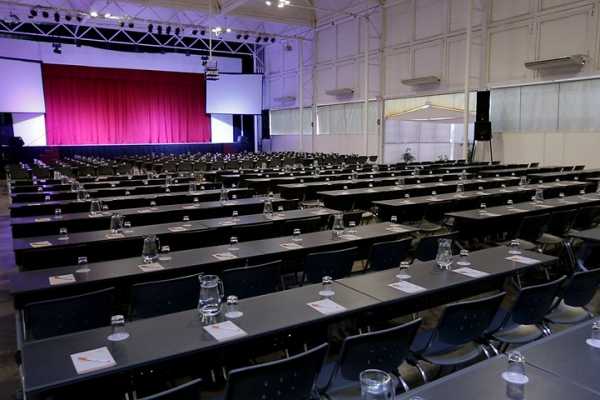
x: 118, y: 106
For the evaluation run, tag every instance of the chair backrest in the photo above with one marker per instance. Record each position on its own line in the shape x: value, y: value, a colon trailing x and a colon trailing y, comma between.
x: 428, y: 245
x: 49, y: 257
x: 306, y: 225
x: 292, y: 378
x: 187, y: 391
x: 532, y: 227
x: 178, y: 241
x: 587, y: 218
x: 352, y: 216
x: 246, y: 233
x: 561, y: 222
x: 69, y: 314
x: 336, y: 264
x: 150, y: 299
x: 386, y: 255
x: 384, y: 350
x: 578, y: 167
x: 581, y: 288
x: 534, y: 302
x: 252, y: 281
x: 465, y: 321
x: 435, y: 211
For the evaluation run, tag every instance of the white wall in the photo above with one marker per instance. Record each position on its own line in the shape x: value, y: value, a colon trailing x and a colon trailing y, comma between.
x: 413, y: 38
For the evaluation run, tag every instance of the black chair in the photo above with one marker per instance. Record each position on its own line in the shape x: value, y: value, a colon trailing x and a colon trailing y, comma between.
x: 292, y: 378
x: 385, y: 350
x: 559, y: 226
x: 386, y: 255
x: 531, y: 229
x: 187, y: 391
x: 306, y: 225
x: 428, y: 245
x: 337, y: 264
x: 578, y: 167
x: 178, y: 241
x: 253, y: 280
x: 524, y: 322
x: 352, y: 216
x: 454, y: 340
x: 570, y: 307
x: 246, y: 233
x: 588, y: 218
x: 69, y: 314
x: 150, y: 299
x: 434, y: 215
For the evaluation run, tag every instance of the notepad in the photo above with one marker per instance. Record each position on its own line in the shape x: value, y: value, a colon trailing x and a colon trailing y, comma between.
x: 470, y: 272
x: 188, y: 207
x: 396, y: 229
x: 407, y: 287
x: 523, y: 260
x: 225, y: 331
x: 42, y: 219
x: 291, y: 246
x: 45, y: 243
x: 177, y: 229
x: 150, y: 267
x: 327, y: 307
x: 61, y: 279
x: 92, y: 360
x: 225, y: 256
x: 115, y: 236
x: 144, y: 211
x: 489, y: 214
x: 348, y: 236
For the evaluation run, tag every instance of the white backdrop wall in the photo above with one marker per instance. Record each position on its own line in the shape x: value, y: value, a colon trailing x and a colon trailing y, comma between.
x: 413, y: 38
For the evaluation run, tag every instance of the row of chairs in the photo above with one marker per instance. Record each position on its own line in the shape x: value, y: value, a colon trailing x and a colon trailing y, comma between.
x: 466, y: 331
x: 87, y: 311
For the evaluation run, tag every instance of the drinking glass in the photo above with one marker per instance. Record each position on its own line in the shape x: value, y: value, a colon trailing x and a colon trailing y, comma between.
x: 233, y: 243
x: 192, y: 187
x: 515, y: 373
x: 164, y: 253
x: 117, y: 325
x: 268, y: 208
x: 460, y: 188
x: 404, y: 267
x: 375, y: 385
x: 233, y: 310
x: 393, y: 220
x: 482, y: 208
x: 127, y: 225
x: 116, y: 223
x: 64, y: 233
x: 235, y: 216
x: 352, y: 227
x: 514, y: 247
x: 57, y: 213
x: 509, y: 202
x: 539, y: 195
x: 150, y: 249
x: 296, y: 235
x: 95, y: 207
x: 327, y: 287
x: 464, y: 258
x: 594, y: 340
x: 82, y: 263
x: 338, y: 226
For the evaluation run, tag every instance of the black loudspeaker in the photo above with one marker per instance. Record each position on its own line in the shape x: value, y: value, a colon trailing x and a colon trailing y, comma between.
x: 483, y: 131
x: 266, y: 124
x: 483, y: 107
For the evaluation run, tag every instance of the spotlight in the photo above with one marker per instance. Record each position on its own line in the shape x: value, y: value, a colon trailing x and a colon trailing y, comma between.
x: 131, y: 25
x: 168, y: 30
x: 33, y: 13
x: 228, y: 30
x: 45, y: 14
x: 57, y: 48
x: 56, y: 17
x: 258, y: 39
x: 79, y: 18
x: 246, y: 36
x: 239, y: 36
x: 94, y: 14
x: 266, y: 39
x: 177, y: 31
x: 159, y: 29
x: 273, y: 40
x: 122, y: 24
x: 195, y: 32
x: 150, y: 28
x: 203, y: 32
x: 68, y: 17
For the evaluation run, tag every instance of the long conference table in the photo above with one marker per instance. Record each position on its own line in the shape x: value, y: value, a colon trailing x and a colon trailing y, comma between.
x: 507, y: 217
x: 346, y: 199
x: 473, y: 199
x: 35, y: 285
x: 103, y: 241
x: 47, y: 365
x: 97, y: 185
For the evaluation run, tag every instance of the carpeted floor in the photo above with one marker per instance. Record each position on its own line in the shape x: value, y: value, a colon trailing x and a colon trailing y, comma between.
x: 9, y: 378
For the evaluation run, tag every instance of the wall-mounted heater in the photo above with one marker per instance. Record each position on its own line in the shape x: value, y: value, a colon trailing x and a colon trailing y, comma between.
x: 424, y: 80
x: 342, y: 92
x: 574, y: 61
x: 285, y: 99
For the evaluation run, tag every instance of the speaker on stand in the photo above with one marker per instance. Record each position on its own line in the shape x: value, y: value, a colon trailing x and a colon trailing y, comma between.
x: 483, y: 126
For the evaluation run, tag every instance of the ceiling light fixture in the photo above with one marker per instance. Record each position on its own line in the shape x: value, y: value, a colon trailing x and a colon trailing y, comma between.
x: 94, y: 14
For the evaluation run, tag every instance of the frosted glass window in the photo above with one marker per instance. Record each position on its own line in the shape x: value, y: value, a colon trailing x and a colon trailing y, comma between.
x: 579, y: 106
x: 505, y: 109
x: 354, y: 114
x: 323, y: 121
x: 539, y: 108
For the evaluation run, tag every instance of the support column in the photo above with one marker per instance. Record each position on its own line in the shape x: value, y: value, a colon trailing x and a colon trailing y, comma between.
x: 301, y: 92
x: 366, y: 86
x: 467, y: 78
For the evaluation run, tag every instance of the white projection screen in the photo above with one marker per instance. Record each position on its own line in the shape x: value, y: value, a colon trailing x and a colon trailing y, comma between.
x: 235, y: 94
x: 21, y: 83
